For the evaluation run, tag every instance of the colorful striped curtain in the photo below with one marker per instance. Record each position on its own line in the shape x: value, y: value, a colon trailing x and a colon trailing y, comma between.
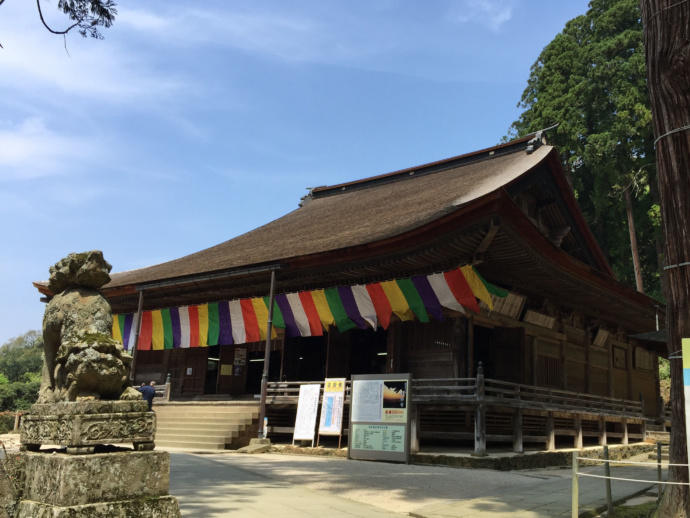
x: 309, y: 313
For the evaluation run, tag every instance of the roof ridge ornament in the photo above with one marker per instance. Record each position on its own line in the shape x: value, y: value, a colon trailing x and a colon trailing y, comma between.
x: 538, y: 140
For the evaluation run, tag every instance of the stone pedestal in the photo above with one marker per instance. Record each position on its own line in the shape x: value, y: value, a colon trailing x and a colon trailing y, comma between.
x: 122, y: 484
x: 83, y: 425
x: 78, y: 483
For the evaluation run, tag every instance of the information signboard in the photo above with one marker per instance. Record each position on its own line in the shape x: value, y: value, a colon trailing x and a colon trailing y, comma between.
x: 331, y: 421
x: 685, y: 344
x: 307, y: 407
x: 379, y: 417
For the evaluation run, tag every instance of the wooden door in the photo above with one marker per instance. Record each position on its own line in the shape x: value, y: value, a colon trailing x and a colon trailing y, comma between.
x: 507, y: 353
x: 194, y: 371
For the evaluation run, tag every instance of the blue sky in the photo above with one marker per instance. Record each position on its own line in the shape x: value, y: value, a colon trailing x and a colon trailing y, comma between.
x: 192, y: 123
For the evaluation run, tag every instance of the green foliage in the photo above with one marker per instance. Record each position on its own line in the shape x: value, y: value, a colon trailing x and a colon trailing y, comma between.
x: 21, y: 361
x: 18, y: 396
x: 591, y: 81
x: 22, y: 356
x: 664, y: 369
x: 6, y: 422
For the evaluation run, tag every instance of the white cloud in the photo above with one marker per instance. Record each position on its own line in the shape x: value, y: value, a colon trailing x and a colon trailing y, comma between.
x: 489, y: 13
x: 32, y: 150
x: 286, y: 37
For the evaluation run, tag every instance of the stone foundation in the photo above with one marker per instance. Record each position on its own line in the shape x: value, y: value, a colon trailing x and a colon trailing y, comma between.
x: 125, y: 484
x: 164, y: 507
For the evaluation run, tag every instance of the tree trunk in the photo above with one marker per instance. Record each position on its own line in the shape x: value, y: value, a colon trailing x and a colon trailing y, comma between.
x: 667, y: 50
x: 633, y: 240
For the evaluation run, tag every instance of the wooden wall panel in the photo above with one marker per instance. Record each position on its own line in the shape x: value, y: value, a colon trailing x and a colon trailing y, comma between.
x: 620, y: 384
x: 599, y: 357
x: 428, y: 364
x: 645, y: 385
x: 575, y: 371
x: 599, y: 381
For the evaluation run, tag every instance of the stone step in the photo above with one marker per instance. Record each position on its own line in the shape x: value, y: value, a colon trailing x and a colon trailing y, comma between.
x: 184, y: 426
x: 193, y: 419
x: 196, y: 437
x: 185, y: 445
x: 205, y: 427
x: 205, y: 417
x: 180, y: 409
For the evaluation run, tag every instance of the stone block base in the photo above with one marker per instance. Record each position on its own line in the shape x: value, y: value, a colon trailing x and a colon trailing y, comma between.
x: 163, y: 507
x: 125, y: 484
x: 83, y: 425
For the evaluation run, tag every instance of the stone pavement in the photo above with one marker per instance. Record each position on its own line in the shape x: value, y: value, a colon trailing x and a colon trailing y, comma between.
x: 287, y: 486
x: 208, y: 488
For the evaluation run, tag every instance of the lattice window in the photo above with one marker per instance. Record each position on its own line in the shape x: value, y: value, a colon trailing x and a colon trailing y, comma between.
x: 644, y: 360
x: 430, y: 336
x: 549, y: 372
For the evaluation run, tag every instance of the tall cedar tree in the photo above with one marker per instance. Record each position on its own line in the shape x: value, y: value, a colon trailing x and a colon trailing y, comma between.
x: 667, y: 47
x: 591, y: 81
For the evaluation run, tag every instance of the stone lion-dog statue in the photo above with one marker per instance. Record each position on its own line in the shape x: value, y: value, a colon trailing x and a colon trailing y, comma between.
x: 82, y: 360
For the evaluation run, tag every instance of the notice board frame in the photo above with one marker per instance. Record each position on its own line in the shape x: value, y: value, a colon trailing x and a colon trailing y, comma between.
x: 380, y: 433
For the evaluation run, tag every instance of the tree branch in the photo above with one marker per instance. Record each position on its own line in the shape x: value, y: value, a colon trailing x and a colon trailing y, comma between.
x: 40, y: 13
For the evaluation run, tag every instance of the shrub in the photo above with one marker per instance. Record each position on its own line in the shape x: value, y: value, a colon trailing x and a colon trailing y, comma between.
x: 19, y: 395
x: 6, y: 422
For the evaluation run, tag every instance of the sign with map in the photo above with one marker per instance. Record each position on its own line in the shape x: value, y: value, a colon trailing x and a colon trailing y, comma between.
x: 379, y: 417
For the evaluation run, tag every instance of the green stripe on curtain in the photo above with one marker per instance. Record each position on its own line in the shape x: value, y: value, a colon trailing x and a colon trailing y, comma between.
x: 338, y: 310
x: 413, y: 299
x: 213, y: 323
x: 167, y: 329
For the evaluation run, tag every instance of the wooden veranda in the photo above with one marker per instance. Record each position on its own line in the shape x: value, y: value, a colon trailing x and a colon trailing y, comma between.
x: 488, y: 411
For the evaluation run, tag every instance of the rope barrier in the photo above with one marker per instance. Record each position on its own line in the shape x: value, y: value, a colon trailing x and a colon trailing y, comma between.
x: 629, y: 462
x: 652, y: 482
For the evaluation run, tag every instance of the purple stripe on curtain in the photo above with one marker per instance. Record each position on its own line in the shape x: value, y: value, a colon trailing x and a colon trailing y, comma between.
x: 176, y: 328
x: 291, y: 328
x: 129, y: 320
x: 350, y: 305
x: 225, y: 324
x: 426, y: 292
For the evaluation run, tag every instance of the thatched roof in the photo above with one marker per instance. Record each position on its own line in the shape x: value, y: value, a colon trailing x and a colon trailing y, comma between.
x: 411, y: 222
x: 352, y: 216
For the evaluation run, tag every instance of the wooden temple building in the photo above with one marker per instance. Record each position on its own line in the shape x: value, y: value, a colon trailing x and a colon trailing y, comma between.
x: 546, y: 318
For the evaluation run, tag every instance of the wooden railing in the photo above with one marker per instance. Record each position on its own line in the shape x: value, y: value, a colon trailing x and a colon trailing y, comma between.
x: 463, y: 391
x: 479, y: 395
x: 287, y: 392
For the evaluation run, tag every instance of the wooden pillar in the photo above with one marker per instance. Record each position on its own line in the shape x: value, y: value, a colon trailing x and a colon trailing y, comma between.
x: 460, y: 352
x: 393, y: 358
x: 564, y: 366
x: 609, y: 350
x: 470, y: 347
x: 624, y: 423
x: 658, y: 406
x: 328, y: 351
x: 414, y: 429
x: 629, y: 372
x: 602, y: 431
x: 550, y: 433
x: 166, y: 364
x: 578, y: 432
x: 535, y: 354
x: 480, y: 415
x: 517, y: 431
x: 588, y: 366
